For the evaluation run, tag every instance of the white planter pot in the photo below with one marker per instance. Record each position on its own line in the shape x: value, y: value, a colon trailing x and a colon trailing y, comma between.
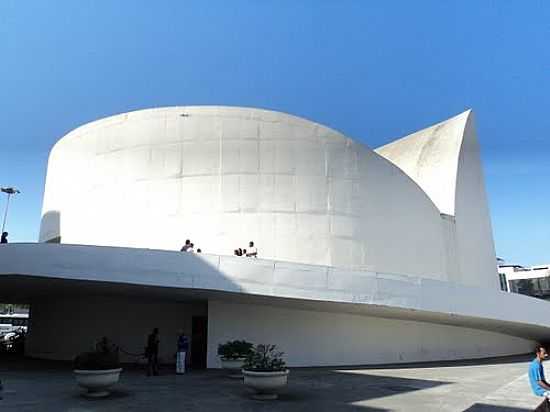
x: 234, y: 366
x: 97, y: 381
x: 266, y: 384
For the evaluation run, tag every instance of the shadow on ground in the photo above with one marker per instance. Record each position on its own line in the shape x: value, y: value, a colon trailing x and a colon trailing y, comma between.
x: 38, y: 385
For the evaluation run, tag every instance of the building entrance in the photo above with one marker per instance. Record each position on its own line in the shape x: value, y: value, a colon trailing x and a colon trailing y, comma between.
x: 199, y: 333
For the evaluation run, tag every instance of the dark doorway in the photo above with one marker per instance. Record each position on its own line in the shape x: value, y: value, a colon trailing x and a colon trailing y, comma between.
x: 199, y: 332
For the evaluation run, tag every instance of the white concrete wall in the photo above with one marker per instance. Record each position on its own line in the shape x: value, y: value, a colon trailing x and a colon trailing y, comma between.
x: 61, y: 328
x: 224, y: 176
x: 328, y: 339
x: 448, y: 225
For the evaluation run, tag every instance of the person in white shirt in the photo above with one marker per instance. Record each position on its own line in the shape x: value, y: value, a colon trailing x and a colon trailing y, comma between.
x: 191, y: 248
x: 252, y: 250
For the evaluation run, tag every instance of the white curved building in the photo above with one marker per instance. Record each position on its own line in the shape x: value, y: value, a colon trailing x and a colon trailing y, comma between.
x: 303, y: 192
x: 366, y: 256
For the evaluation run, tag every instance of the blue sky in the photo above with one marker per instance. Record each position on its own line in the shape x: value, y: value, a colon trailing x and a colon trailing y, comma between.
x: 375, y: 70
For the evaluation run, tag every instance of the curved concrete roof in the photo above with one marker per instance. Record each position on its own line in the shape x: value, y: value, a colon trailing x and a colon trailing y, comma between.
x: 235, y: 112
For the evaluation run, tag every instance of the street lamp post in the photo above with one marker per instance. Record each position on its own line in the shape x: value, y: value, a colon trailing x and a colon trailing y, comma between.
x: 9, y: 191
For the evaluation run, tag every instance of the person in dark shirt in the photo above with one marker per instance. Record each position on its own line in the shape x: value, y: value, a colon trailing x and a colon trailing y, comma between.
x: 152, y: 353
x: 4, y: 237
x: 181, y: 354
x: 186, y: 246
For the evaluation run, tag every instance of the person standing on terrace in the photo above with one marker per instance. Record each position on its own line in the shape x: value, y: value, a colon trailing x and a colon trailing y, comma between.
x: 252, y: 250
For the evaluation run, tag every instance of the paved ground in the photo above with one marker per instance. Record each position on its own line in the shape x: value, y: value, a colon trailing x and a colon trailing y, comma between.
x: 496, y: 385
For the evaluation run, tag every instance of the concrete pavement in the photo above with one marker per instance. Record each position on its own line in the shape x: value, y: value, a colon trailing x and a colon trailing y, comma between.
x: 492, y: 385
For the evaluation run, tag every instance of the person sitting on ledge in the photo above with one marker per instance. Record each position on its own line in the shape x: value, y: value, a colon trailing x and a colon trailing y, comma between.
x: 4, y: 237
x: 186, y: 247
x: 252, y: 251
x: 536, y: 373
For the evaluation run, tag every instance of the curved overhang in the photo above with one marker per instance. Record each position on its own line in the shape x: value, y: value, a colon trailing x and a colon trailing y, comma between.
x: 37, y: 271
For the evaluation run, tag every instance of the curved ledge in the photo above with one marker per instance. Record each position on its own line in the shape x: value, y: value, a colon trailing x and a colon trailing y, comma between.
x: 81, y: 268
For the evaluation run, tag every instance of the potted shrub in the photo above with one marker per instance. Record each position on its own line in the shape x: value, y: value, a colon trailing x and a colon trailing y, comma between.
x: 265, y: 371
x: 233, y: 354
x: 98, y: 370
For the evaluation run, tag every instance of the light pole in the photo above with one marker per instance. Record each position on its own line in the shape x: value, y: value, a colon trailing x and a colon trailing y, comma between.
x: 9, y: 191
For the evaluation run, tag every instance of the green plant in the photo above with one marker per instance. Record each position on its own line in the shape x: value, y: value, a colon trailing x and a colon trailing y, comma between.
x: 235, y: 349
x: 104, y: 357
x: 265, y: 358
